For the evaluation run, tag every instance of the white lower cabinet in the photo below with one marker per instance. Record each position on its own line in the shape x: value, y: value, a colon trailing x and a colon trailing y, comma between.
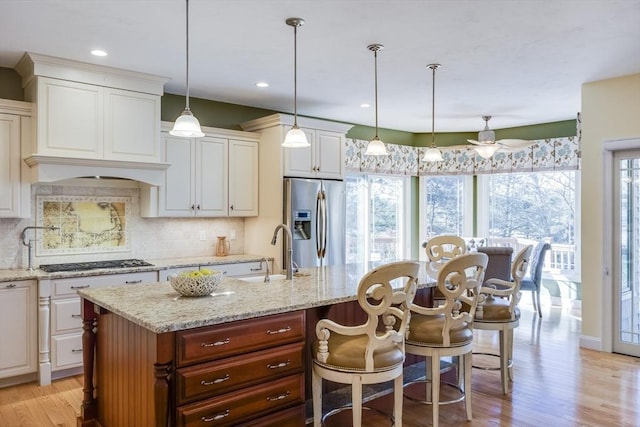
x: 66, y: 321
x: 19, y: 337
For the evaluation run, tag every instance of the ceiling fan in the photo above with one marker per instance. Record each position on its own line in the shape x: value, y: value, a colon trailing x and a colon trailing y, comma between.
x: 487, y: 144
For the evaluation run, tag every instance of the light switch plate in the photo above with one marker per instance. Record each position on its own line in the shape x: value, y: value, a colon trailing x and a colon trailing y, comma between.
x: 203, y: 235
x: 232, y: 234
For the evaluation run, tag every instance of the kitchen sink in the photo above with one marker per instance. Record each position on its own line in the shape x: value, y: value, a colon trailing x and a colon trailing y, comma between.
x: 260, y: 278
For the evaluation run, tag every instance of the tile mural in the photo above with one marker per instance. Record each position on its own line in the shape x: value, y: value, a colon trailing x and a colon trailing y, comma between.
x: 84, y: 224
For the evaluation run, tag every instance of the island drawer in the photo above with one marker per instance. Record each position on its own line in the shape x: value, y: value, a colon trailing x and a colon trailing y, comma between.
x: 65, y: 315
x: 220, y: 341
x: 242, y: 405
x: 66, y: 351
x: 213, y: 378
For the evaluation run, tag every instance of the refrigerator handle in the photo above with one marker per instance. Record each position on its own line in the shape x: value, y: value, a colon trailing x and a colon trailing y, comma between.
x: 318, y: 223
x: 323, y: 251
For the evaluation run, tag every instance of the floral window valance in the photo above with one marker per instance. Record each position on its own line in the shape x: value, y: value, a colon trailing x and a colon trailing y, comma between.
x: 543, y: 155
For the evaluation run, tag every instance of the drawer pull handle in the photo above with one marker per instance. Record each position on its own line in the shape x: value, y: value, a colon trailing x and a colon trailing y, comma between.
x: 215, y: 417
x: 131, y: 282
x: 216, y: 381
x: 12, y: 285
x: 215, y: 344
x: 76, y: 350
x: 279, y: 331
x: 278, y: 397
x: 80, y: 287
x: 279, y: 365
x: 76, y: 316
x: 256, y: 269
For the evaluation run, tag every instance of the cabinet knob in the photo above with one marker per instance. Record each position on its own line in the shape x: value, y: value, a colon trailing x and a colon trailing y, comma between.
x: 231, y: 207
x: 198, y: 207
x: 11, y: 285
x: 193, y: 207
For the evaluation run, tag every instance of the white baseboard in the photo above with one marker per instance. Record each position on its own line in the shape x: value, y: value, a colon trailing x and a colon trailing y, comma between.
x: 591, y: 343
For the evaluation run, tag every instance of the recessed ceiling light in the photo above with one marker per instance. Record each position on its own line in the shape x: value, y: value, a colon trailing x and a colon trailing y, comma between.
x: 262, y: 84
x: 365, y: 105
x: 98, y: 52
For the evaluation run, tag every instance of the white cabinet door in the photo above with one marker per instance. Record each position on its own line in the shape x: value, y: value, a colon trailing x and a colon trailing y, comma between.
x: 211, y: 177
x: 70, y: 119
x: 243, y: 178
x: 329, y: 155
x: 9, y: 166
x: 299, y: 162
x: 131, y: 126
x: 18, y: 340
x: 176, y: 196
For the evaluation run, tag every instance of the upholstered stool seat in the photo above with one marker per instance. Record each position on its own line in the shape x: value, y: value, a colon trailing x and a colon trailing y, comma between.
x: 428, y: 330
x: 348, y: 353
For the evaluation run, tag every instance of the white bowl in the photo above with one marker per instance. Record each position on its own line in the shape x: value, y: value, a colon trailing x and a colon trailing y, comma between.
x: 196, y: 286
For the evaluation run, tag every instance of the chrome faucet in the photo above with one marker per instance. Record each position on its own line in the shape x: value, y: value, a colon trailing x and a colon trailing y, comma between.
x: 29, y: 243
x: 289, y: 260
x: 267, y: 272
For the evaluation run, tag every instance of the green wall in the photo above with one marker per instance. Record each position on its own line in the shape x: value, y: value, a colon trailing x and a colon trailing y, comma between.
x: 10, y: 85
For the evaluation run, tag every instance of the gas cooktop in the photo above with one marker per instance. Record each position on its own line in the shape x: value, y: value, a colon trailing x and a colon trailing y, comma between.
x: 93, y: 265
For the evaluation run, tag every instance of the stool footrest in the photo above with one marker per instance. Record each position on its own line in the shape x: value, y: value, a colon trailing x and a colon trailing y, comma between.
x: 489, y: 368
x: 442, y: 402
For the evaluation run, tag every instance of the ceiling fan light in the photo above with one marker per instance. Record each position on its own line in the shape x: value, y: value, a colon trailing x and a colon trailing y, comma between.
x: 486, y: 136
x: 295, y: 138
x: 486, y: 151
x: 376, y: 147
x: 433, y: 154
x: 187, y: 126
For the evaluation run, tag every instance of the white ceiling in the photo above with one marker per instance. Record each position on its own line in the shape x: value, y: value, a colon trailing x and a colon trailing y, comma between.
x: 522, y: 61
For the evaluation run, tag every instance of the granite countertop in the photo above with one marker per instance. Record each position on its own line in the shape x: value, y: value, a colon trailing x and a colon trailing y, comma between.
x: 9, y: 275
x: 158, y: 308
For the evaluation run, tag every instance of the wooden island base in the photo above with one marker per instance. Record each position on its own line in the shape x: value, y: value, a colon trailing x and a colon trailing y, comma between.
x: 247, y: 372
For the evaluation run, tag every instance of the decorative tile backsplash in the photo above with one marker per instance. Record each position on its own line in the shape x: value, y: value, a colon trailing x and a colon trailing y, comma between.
x: 84, y: 224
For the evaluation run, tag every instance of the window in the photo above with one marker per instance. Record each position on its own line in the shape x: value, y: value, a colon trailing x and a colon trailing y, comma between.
x: 532, y: 206
x: 446, y: 205
x: 376, y: 217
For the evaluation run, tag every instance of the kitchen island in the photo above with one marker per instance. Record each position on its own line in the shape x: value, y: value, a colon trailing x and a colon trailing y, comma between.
x: 232, y: 357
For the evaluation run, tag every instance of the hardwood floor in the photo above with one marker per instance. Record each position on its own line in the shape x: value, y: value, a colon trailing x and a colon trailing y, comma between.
x: 556, y: 384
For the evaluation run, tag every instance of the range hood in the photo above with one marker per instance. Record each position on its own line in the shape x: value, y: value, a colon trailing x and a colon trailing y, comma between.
x: 56, y: 168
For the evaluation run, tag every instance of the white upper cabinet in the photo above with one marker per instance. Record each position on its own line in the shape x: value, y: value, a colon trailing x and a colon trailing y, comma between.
x: 323, y: 159
x: 15, y: 126
x: 92, y: 112
x: 212, y: 176
x: 243, y: 178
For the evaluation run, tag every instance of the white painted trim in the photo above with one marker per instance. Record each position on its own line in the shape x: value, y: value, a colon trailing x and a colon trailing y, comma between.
x: 422, y: 208
x: 591, y: 343
x: 609, y: 147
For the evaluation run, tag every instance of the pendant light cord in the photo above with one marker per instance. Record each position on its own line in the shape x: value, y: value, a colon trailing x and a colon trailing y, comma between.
x: 187, y: 98
x: 375, y: 58
x: 433, y: 108
x: 295, y: 75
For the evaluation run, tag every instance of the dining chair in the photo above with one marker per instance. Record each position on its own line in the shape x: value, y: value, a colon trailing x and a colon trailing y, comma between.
x: 447, y: 330
x: 533, y: 280
x: 498, y: 311
x: 370, y: 353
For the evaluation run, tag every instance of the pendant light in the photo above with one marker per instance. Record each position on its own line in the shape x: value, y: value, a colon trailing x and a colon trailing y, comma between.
x: 376, y: 147
x: 187, y: 125
x: 433, y: 154
x: 296, y: 138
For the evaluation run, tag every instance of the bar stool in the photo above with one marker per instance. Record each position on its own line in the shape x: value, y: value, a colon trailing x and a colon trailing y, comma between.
x: 370, y: 353
x: 498, y: 311
x: 447, y: 330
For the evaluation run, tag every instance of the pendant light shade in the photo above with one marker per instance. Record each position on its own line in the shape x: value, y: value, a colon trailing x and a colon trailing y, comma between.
x: 187, y: 125
x: 433, y: 154
x: 486, y: 151
x: 295, y: 138
x: 376, y: 147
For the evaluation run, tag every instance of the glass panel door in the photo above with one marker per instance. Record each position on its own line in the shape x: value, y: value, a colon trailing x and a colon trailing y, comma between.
x: 626, y: 256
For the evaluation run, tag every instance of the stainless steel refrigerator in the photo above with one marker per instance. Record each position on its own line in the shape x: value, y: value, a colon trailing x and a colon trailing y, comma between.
x: 314, y: 209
